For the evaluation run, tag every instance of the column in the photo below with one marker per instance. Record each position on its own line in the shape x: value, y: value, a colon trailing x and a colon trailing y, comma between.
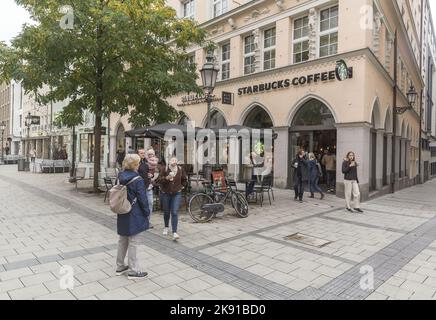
x: 389, y: 158
x: 403, y: 157
x: 281, y: 155
x: 354, y: 137
x: 379, y: 159
x: 407, y: 164
x: 236, y: 53
x: 283, y: 35
x: 397, y: 158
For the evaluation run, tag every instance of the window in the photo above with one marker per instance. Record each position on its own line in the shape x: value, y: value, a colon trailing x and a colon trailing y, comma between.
x: 249, y: 59
x: 191, y: 59
x: 269, y: 49
x: 225, y: 61
x: 219, y: 7
x: 301, y: 40
x: 328, y: 42
x: 188, y: 9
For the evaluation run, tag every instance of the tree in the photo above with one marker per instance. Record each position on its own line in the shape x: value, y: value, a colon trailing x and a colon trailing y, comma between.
x: 106, y: 56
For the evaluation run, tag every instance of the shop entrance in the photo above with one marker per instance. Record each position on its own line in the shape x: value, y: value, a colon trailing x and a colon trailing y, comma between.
x: 312, y: 130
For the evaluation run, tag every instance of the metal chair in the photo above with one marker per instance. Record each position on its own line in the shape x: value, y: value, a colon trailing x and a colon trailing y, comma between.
x: 264, y: 186
x: 79, y: 174
x: 108, y: 184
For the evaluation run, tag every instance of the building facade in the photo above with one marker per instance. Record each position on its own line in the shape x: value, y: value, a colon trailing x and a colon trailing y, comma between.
x: 5, y: 117
x: 428, y: 125
x: 278, y: 60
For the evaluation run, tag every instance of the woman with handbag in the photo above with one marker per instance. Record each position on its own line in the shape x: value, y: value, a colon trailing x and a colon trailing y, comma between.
x: 172, y: 180
x: 315, y: 172
x: 132, y: 224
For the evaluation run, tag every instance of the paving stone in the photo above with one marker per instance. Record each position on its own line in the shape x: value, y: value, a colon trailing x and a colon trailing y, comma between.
x: 4, y: 296
x: 171, y: 293
x: 10, y: 285
x: 28, y: 292
x: 88, y: 290
x: 60, y: 295
x: 92, y: 276
x: 167, y: 280
x: 194, y: 285
x: 37, y: 278
x: 142, y: 287
x: 15, y: 274
x: 116, y: 294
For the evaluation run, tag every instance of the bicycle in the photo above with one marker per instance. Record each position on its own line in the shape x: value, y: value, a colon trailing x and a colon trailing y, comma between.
x: 200, y: 202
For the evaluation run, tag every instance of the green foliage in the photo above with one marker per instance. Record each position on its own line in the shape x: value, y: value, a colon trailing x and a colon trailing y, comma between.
x: 130, y: 55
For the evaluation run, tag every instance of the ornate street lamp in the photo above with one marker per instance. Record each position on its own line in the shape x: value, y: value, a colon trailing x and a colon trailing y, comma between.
x: 412, y: 95
x: 2, y: 129
x: 209, y: 74
x: 28, y: 123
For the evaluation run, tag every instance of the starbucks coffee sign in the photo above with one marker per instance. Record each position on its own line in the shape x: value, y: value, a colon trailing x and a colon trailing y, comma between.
x: 341, y: 73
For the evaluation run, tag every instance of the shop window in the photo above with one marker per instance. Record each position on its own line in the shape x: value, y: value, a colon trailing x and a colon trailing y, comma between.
x: 249, y: 58
x: 269, y: 49
x: 87, y: 145
x: 328, y: 41
x: 301, y: 40
x: 225, y: 61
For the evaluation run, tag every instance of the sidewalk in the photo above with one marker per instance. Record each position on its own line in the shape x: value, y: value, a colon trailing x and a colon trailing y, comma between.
x: 46, y: 224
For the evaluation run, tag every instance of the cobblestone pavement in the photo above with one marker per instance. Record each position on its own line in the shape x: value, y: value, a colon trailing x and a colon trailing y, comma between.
x: 45, y: 225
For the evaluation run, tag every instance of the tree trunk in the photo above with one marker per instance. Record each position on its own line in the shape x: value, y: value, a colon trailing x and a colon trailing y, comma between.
x: 98, y: 109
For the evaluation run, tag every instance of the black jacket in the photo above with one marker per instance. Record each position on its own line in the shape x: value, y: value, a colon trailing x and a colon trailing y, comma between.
x: 350, y: 173
x: 300, y: 169
x: 143, y: 172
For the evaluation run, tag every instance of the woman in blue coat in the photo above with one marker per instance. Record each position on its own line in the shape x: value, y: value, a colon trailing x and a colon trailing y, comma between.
x: 130, y: 225
x: 314, y: 174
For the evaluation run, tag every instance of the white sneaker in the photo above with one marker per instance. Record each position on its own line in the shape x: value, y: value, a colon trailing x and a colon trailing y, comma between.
x: 175, y: 236
x: 165, y: 232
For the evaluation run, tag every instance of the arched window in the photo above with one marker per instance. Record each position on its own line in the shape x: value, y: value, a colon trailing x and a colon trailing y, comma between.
x: 314, y: 113
x: 217, y: 120
x: 258, y: 118
x: 183, y: 120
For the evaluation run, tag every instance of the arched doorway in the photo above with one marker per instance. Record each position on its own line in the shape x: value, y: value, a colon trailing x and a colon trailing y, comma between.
x: 183, y: 119
x: 313, y: 130
x: 258, y: 118
x: 261, y: 151
x: 217, y: 120
x: 120, y: 142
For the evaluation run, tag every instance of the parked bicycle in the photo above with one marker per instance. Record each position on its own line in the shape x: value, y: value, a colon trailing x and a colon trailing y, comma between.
x: 199, y: 203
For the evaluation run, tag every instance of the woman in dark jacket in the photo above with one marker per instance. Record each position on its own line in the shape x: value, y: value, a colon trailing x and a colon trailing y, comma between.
x: 351, y: 182
x: 300, y: 166
x: 130, y: 225
x: 172, y: 181
x: 314, y: 174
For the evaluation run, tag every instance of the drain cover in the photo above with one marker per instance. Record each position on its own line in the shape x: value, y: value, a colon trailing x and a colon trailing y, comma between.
x: 309, y: 240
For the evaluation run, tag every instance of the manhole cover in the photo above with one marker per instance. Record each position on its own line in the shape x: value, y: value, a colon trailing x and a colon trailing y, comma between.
x: 309, y: 240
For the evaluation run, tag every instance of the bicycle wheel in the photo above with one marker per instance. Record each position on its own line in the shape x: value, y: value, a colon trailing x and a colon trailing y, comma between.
x: 195, y: 205
x: 240, y: 204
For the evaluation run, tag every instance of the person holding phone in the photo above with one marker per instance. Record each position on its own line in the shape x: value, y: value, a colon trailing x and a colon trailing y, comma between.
x: 351, y: 182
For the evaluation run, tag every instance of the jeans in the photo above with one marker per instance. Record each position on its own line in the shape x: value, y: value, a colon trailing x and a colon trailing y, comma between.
x: 313, y: 185
x: 298, y: 188
x: 331, y: 179
x: 171, y: 205
x: 128, y: 243
x: 150, y: 202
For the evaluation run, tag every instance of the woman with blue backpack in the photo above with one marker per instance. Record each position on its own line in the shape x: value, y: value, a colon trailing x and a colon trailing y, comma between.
x: 315, y: 172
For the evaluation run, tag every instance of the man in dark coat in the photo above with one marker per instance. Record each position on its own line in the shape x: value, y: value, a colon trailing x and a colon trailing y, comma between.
x: 300, y: 174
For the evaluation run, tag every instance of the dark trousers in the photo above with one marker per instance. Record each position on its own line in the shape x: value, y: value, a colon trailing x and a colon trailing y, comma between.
x: 331, y: 179
x: 298, y: 188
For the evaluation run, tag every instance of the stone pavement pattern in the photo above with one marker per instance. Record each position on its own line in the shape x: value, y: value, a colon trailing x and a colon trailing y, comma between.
x: 45, y: 224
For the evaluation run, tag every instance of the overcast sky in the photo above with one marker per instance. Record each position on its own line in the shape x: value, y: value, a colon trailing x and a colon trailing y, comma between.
x: 12, y: 18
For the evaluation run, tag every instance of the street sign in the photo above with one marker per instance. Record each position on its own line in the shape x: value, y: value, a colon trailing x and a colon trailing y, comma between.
x: 36, y: 120
x: 227, y: 98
